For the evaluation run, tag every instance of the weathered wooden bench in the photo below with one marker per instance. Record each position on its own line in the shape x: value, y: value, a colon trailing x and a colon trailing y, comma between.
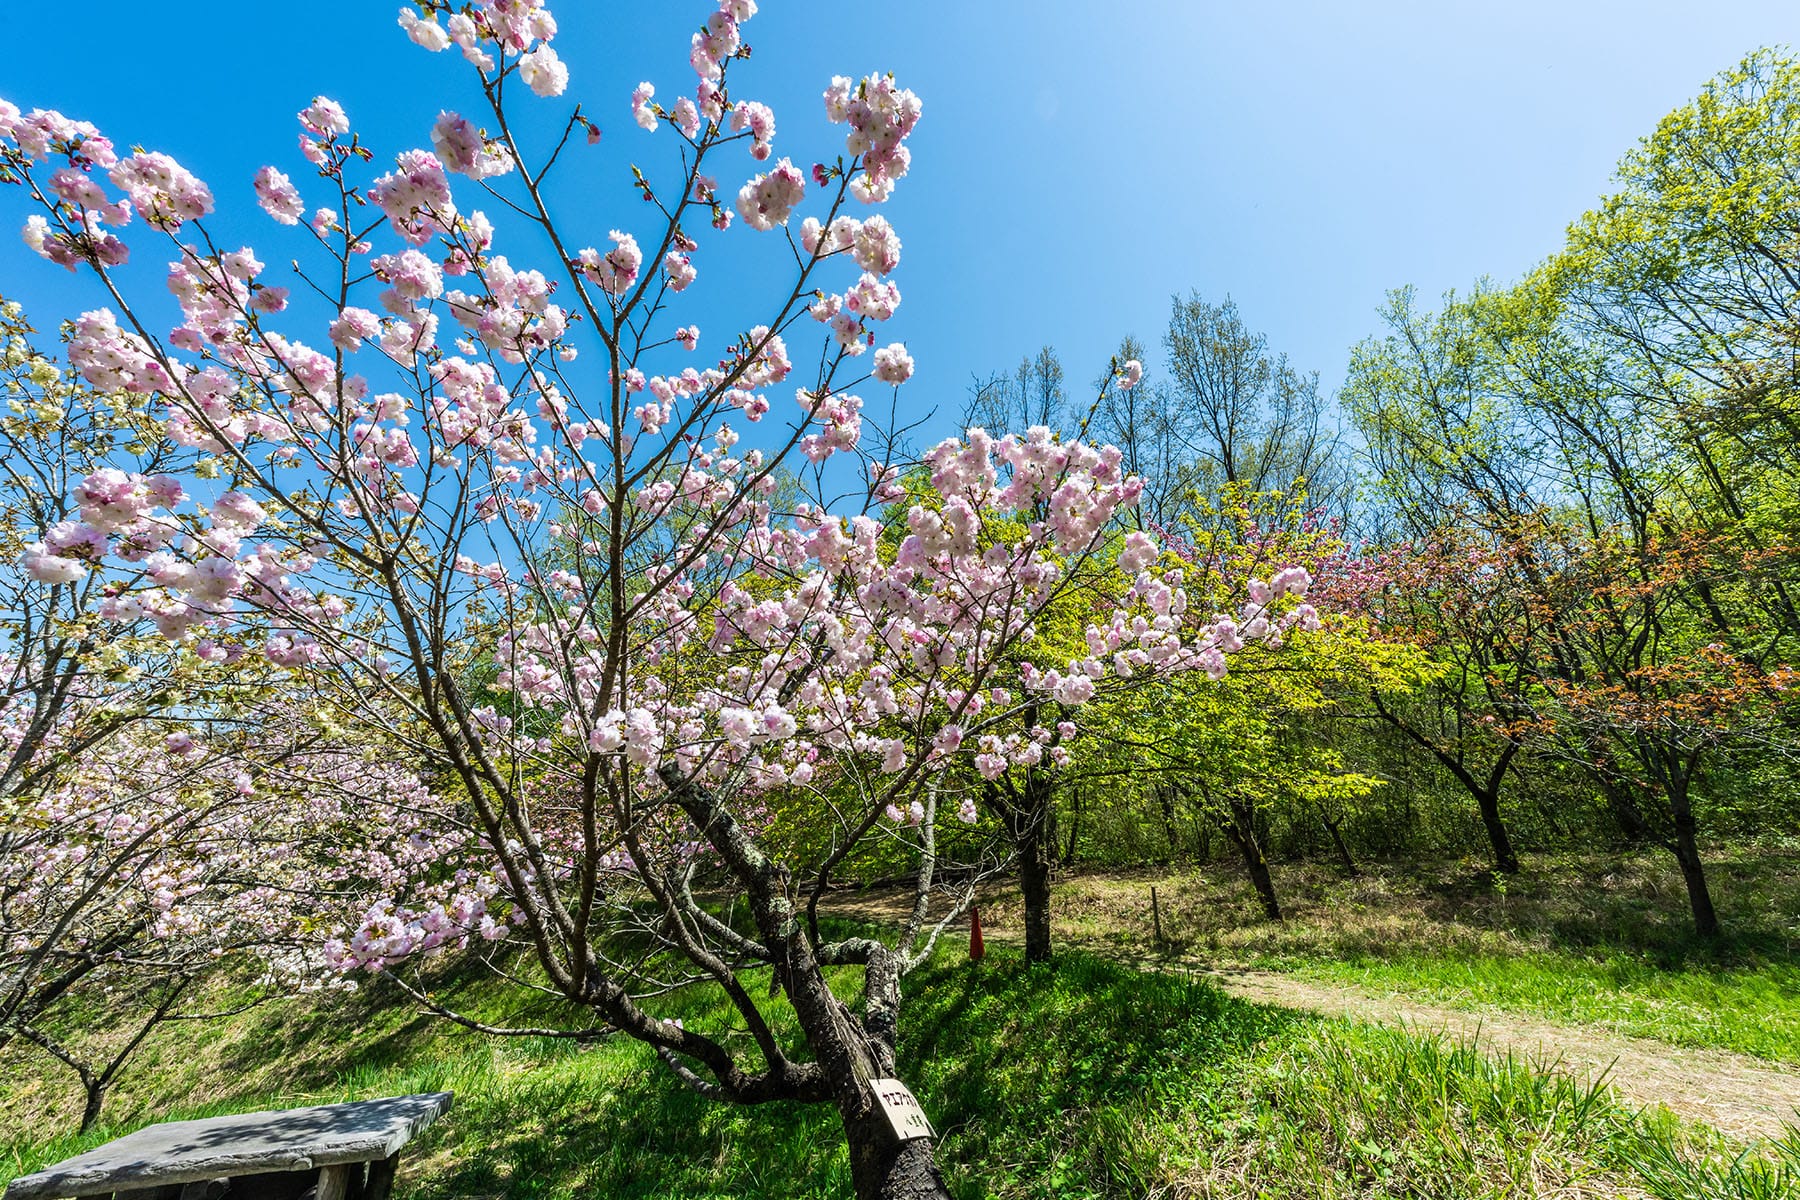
x: 328, y: 1152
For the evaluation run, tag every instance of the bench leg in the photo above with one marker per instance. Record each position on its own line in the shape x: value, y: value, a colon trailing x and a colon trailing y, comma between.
x: 205, y: 1189
x: 334, y: 1182
x: 381, y: 1178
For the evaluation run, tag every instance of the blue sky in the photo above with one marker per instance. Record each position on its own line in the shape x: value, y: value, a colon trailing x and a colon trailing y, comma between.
x: 1077, y: 162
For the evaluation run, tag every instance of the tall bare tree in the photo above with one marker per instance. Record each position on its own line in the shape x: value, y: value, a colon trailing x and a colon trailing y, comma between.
x: 1247, y: 416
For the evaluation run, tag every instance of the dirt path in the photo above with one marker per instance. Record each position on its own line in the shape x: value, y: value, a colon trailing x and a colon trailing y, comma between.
x: 1740, y: 1096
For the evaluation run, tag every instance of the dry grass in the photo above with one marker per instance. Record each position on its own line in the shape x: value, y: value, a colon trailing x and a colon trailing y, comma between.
x: 1632, y: 901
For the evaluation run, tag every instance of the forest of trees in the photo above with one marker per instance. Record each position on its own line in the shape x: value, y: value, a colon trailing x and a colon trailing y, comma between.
x: 1557, y: 521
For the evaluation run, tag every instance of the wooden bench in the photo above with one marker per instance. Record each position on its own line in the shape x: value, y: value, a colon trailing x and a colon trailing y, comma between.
x: 328, y: 1152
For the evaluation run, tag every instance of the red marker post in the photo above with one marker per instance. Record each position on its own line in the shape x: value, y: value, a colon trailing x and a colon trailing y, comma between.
x: 977, y: 949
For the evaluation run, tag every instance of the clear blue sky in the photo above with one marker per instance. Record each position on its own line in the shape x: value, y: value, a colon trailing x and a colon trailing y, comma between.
x: 1077, y: 162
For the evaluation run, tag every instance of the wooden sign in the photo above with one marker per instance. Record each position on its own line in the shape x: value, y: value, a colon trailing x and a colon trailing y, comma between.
x: 903, y: 1112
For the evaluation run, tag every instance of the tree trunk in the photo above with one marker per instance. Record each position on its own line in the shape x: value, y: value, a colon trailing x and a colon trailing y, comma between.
x: 849, y: 1053
x: 1034, y: 882
x: 1693, y: 872
x: 1486, y: 792
x: 883, y: 1169
x: 1505, y: 861
x: 90, y: 1109
x: 1030, y: 828
x: 1337, y: 839
x: 852, y: 1053
x: 1241, y: 829
x: 1265, y: 886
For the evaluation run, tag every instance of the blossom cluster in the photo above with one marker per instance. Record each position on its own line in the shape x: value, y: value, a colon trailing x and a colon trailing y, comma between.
x: 159, y: 850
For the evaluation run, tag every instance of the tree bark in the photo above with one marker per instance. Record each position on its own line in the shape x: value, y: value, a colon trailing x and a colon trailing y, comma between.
x: 883, y: 1169
x: 1028, y: 821
x: 1240, y: 827
x: 1337, y: 839
x: 1034, y: 882
x: 849, y: 1052
x: 1505, y: 860
x: 90, y: 1108
x: 853, y: 1053
x: 1693, y: 872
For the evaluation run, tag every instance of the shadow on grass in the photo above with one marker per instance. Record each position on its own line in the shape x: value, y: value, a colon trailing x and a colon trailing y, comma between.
x: 1635, y: 903
x: 1018, y: 1067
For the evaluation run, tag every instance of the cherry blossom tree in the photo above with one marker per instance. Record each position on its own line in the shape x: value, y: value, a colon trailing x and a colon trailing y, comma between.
x: 77, y: 687
x: 167, y: 813
x: 172, y: 860
x: 484, y: 509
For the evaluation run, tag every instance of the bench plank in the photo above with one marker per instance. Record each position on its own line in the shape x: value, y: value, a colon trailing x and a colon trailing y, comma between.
x: 295, y: 1139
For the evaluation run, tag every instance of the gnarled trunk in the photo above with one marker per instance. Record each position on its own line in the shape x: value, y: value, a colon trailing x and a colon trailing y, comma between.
x: 849, y: 1052
x: 852, y: 1052
x: 884, y: 1169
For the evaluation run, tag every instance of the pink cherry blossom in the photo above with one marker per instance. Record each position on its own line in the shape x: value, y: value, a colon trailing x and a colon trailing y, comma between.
x: 426, y: 33
x: 875, y: 246
x: 679, y: 269
x: 893, y: 364
x: 415, y: 196
x: 641, y: 111
x: 462, y: 148
x: 543, y: 72
x: 759, y: 119
x: 768, y: 199
x: 617, y: 269
x: 164, y: 193
x: 324, y: 118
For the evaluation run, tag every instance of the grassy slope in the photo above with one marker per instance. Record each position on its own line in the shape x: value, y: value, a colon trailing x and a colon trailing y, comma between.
x: 1083, y: 1078
x: 1598, y: 939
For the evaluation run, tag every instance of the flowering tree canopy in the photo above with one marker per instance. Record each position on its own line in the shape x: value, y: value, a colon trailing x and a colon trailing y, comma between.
x: 483, y: 511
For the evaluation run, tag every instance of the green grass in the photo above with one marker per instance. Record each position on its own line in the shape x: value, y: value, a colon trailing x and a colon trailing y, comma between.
x: 1752, y: 1011
x: 1081, y: 1078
